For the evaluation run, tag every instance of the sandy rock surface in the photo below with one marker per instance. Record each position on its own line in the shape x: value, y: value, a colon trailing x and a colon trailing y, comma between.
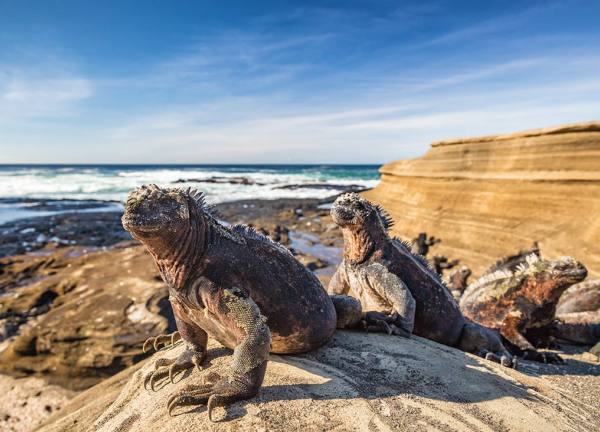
x: 362, y: 382
x: 26, y: 402
x: 488, y: 197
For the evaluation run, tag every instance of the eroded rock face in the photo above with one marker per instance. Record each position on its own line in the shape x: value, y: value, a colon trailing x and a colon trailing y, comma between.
x: 78, y: 317
x: 485, y: 196
x: 356, y: 382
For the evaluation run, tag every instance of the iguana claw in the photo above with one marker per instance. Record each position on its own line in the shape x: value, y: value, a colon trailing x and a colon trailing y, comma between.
x: 542, y: 357
x: 164, y: 368
x: 225, y: 391
x: 380, y: 322
x: 169, y: 341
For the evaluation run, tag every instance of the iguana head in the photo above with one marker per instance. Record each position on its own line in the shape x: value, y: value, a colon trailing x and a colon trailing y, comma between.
x: 564, y: 270
x: 171, y: 223
x: 363, y: 225
x: 351, y: 210
x: 546, y: 280
x: 151, y: 211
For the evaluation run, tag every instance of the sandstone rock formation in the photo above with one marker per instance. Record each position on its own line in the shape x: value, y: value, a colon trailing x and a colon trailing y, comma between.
x: 487, y: 196
x: 77, y: 317
x: 357, y: 382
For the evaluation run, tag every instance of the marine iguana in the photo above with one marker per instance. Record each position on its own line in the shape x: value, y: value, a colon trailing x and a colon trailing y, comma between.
x: 233, y: 284
x: 457, y: 281
x: 400, y: 286
x: 578, y: 314
x: 441, y: 263
x: 422, y: 243
x: 515, y: 302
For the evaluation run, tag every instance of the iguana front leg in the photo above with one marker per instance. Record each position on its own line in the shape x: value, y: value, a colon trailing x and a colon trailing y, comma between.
x: 511, y: 330
x: 390, y: 288
x: 195, y: 339
x: 241, y: 315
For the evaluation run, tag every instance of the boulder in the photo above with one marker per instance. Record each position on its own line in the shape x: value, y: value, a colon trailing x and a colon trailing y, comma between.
x: 357, y: 382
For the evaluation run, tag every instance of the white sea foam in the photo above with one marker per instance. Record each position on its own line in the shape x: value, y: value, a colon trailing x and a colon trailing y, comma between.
x: 113, y: 183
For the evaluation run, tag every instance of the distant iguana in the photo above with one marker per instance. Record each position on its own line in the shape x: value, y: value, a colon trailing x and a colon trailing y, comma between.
x: 441, y: 263
x: 233, y: 284
x: 578, y: 313
x: 457, y: 281
x: 390, y: 280
x: 515, y: 302
x: 422, y: 243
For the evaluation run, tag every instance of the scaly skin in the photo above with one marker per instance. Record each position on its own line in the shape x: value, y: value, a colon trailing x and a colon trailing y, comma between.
x: 399, y: 286
x: 522, y: 301
x: 233, y: 284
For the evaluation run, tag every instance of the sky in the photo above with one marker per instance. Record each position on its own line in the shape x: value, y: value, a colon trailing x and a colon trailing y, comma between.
x: 285, y: 82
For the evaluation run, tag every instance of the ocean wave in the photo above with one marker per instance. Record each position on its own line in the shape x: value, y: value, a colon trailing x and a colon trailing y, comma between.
x: 113, y: 183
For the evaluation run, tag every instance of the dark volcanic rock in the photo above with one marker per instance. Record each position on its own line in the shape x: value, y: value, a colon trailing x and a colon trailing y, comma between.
x: 94, y: 229
x: 335, y: 187
x: 222, y: 180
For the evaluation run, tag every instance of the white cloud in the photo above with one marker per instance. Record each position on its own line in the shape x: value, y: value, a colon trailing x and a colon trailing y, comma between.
x: 26, y: 95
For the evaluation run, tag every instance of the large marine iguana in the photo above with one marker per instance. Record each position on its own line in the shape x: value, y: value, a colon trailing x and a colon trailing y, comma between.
x: 388, y: 278
x: 518, y: 303
x: 233, y: 284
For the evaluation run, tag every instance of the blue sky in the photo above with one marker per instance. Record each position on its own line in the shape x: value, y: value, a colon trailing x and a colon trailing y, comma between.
x: 285, y: 82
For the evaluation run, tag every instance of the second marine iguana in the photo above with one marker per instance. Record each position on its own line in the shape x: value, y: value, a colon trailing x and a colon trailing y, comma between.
x: 233, y: 284
x: 399, y: 285
x: 521, y: 301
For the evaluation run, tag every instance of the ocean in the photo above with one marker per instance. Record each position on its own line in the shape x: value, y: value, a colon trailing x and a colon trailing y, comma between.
x: 23, y: 188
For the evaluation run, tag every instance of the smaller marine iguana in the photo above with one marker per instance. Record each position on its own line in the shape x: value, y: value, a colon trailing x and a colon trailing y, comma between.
x: 399, y: 286
x: 233, y: 284
x: 521, y: 301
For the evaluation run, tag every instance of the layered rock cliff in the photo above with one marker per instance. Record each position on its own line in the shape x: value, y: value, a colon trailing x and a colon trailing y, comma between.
x: 490, y: 196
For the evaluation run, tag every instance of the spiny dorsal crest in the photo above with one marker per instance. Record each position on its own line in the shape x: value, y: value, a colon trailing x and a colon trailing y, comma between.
x: 495, y: 277
x: 384, y: 217
x: 200, y: 200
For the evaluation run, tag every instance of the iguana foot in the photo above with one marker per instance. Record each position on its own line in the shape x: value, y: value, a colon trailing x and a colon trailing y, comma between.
x: 380, y: 322
x: 164, y: 368
x: 168, y: 340
x: 485, y: 343
x: 224, y: 392
x: 542, y: 357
